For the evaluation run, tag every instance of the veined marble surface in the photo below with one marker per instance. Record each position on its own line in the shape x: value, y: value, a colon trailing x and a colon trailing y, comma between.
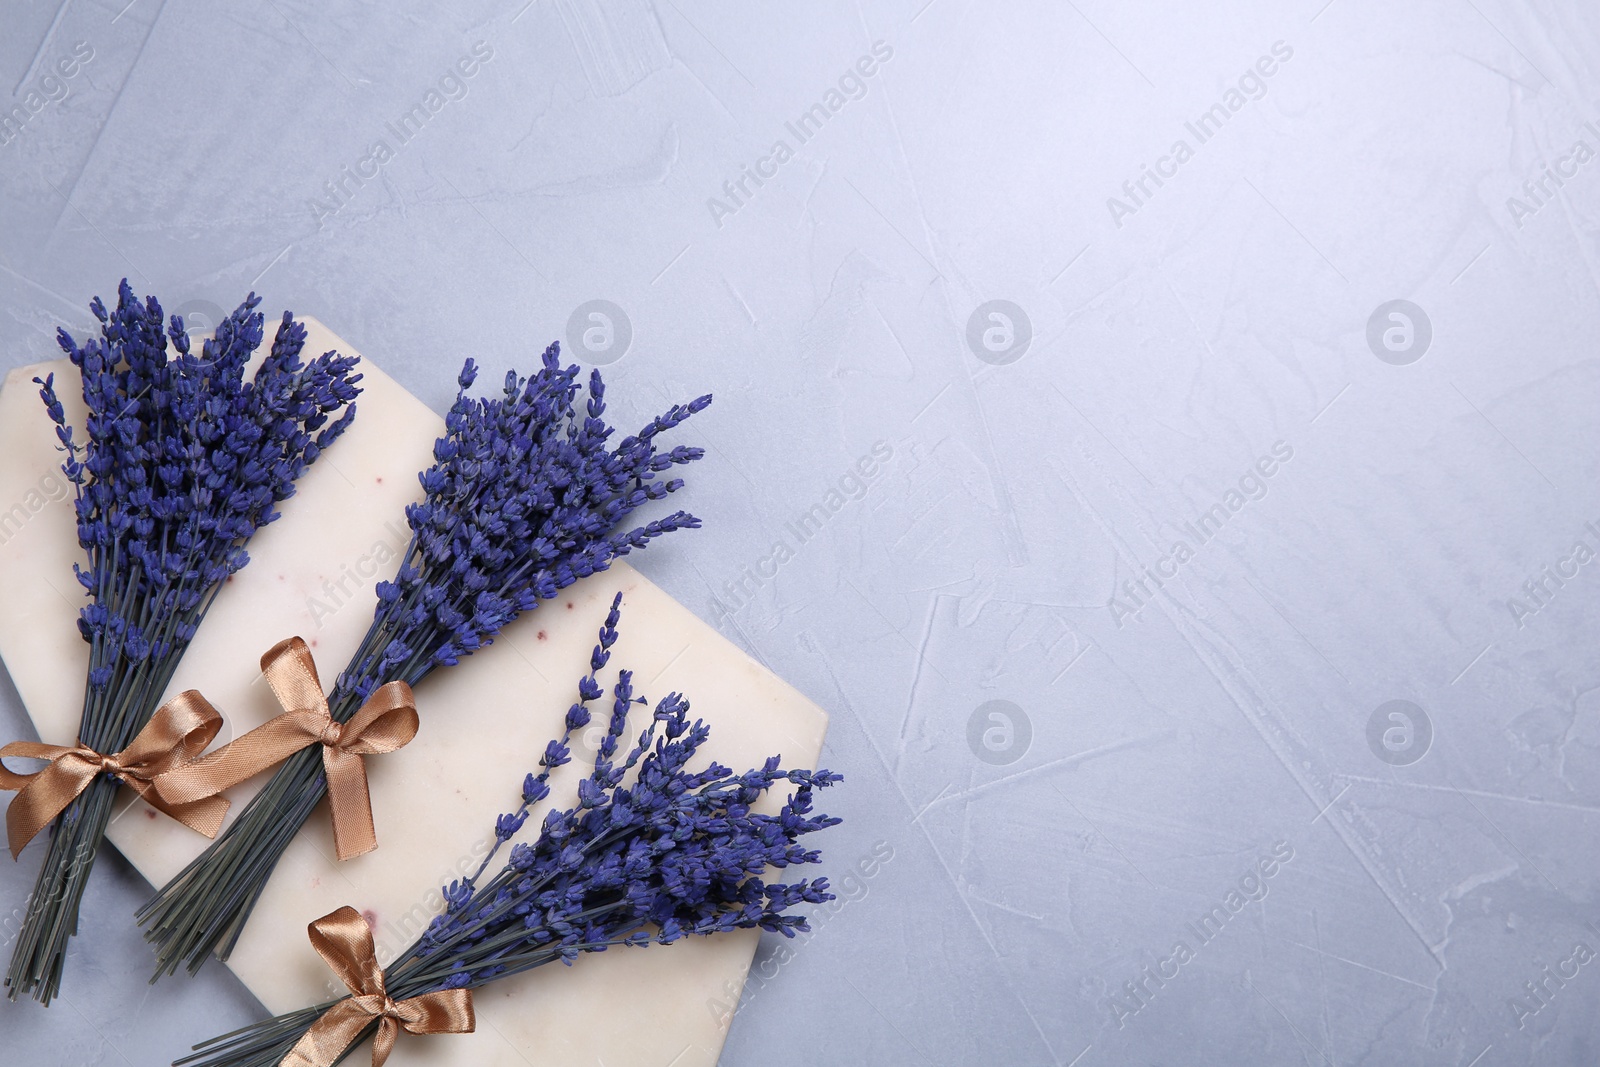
x: 1110, y: 587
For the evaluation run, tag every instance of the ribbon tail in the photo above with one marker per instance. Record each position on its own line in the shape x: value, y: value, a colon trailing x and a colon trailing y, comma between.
x: 44, y: 795
x: 31, y: 811
x: 330, y: 1036
x: 445, y: 1011
x: 203, y: 816
x: 354, y: 833
x: 383, y: 1041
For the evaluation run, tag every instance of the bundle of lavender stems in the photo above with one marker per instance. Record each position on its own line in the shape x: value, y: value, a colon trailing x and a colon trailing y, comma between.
x: 652, y: 853
x: 526, y: 495
x: 181, y: 461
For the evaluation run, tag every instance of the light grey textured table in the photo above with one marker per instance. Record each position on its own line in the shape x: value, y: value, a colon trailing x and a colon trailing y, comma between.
x: 1111, y: 632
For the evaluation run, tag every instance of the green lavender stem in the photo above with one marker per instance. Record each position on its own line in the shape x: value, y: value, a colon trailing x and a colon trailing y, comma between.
x: 183, y: 461
x: 112, y: 717
x: 523, y: 499
x: 266, y: 1043
x: 202, y: 911
x: 52, y: 915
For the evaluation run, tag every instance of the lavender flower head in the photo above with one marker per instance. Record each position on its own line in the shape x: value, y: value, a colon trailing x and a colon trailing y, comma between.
x: 653, y: 852
x: 527, y: 493
x: 524, y: 498
x: 183, y: 461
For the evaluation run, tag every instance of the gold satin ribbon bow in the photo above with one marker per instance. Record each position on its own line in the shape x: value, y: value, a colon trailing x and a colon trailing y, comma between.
x: 343, y: 939
x: 387, y: 721
x: 177, y: 733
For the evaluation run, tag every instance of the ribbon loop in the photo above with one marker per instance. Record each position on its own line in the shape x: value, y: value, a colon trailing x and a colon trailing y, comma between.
x: 344, y: 941
x: 386, y: 721
x: 174, y: 737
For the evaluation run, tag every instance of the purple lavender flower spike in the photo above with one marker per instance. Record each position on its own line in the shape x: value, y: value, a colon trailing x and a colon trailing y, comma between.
x: 526, y: 494
x: 179, y: 462
x: 655, y: 853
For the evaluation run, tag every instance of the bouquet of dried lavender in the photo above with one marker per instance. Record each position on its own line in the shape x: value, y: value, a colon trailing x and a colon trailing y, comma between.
x: 524, y: 497
x: 675, y: 853
x: 182, y: 461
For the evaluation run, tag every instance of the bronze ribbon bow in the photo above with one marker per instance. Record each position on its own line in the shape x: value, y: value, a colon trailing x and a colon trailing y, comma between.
x: 343, y: 939
x: 177, y: 733
x: 386, y: 722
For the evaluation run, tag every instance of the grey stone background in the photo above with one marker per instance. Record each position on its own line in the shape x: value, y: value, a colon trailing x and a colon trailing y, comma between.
x: 1152, y: 743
